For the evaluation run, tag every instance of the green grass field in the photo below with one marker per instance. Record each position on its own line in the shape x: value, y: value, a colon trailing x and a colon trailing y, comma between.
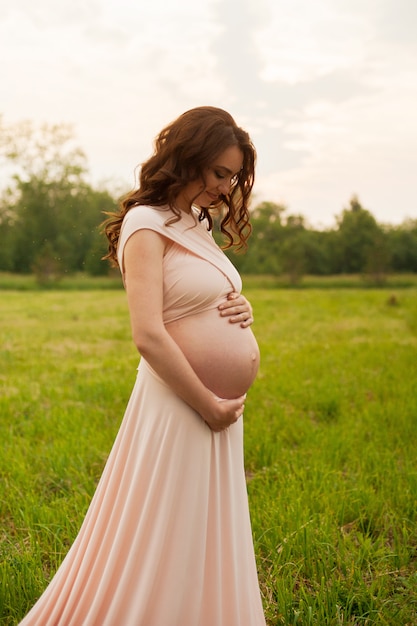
x: 331, y: 440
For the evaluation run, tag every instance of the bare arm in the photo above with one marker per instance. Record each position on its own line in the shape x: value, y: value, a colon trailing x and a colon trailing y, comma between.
x: 143, y: 257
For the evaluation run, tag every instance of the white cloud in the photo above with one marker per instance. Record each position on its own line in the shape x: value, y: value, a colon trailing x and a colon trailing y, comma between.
x: 362, y: 146
x: 328, y: 90
x: 305, y: 40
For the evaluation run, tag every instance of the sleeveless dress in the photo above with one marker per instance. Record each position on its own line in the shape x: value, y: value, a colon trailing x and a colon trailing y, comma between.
x: 167, y: 539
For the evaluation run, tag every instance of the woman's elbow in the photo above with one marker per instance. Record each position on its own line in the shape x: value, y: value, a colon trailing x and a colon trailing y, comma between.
x: 146, y: 341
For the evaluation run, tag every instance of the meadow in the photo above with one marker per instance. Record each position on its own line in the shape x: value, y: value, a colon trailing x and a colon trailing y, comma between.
x: 330, y: 443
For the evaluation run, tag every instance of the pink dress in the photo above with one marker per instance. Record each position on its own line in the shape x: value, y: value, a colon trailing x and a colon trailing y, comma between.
x: 167, y: 538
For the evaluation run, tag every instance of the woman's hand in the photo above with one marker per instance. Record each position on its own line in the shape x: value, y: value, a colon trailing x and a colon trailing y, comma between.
x: 238, y: 309
x: 224, y: 413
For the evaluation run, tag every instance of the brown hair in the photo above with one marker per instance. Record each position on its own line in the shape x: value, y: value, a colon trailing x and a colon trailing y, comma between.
x: 182, y: 152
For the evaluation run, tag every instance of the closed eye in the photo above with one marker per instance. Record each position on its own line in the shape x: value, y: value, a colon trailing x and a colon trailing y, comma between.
x: 221, y: 176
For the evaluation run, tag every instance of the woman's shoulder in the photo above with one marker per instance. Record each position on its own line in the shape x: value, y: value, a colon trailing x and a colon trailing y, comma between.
x: 146, y: 216
x: 140, y: 217
x: 161, y: 218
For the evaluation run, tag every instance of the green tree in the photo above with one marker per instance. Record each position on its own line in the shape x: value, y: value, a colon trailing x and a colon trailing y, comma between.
x: 357, y: 231
x: 378, y: 259
x: 50, y: 211
x: 7, y: 219
x: 262, y: 256
x: 46, y: 266
x: 320, y: 249
x: 293, y: 248
x: 402, y: 244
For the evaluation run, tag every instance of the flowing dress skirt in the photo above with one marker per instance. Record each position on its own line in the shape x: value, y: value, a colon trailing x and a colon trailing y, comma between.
x: 167, y: 538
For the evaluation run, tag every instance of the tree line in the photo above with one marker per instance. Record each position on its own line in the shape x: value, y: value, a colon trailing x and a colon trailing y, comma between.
x: 282, y: 243
x: 50, y: 216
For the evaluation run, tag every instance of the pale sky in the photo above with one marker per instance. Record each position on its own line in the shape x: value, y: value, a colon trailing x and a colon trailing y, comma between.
x: 326, y: 88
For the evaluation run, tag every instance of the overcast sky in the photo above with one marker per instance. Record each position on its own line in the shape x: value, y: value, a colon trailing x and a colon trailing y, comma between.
x: 326, y: 88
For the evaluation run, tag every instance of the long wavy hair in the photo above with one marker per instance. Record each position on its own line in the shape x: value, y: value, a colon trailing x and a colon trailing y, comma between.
x: 183, y: 151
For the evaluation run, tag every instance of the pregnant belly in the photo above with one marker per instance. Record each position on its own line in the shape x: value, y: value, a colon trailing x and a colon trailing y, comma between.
x: 223, y: 355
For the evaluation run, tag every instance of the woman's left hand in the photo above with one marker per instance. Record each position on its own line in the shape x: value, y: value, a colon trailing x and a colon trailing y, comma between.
x: 238, y: 309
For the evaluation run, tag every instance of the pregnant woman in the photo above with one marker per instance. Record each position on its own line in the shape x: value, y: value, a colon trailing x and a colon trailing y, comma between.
x: 167, y: 538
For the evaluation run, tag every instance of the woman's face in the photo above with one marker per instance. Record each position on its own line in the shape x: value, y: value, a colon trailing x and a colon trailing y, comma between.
x: 218, y: 179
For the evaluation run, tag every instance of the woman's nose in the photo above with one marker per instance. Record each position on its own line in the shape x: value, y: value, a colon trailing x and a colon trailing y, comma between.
x: 224, y: 187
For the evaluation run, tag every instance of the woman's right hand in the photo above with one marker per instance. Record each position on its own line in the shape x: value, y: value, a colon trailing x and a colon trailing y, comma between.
x: 223, y: 413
